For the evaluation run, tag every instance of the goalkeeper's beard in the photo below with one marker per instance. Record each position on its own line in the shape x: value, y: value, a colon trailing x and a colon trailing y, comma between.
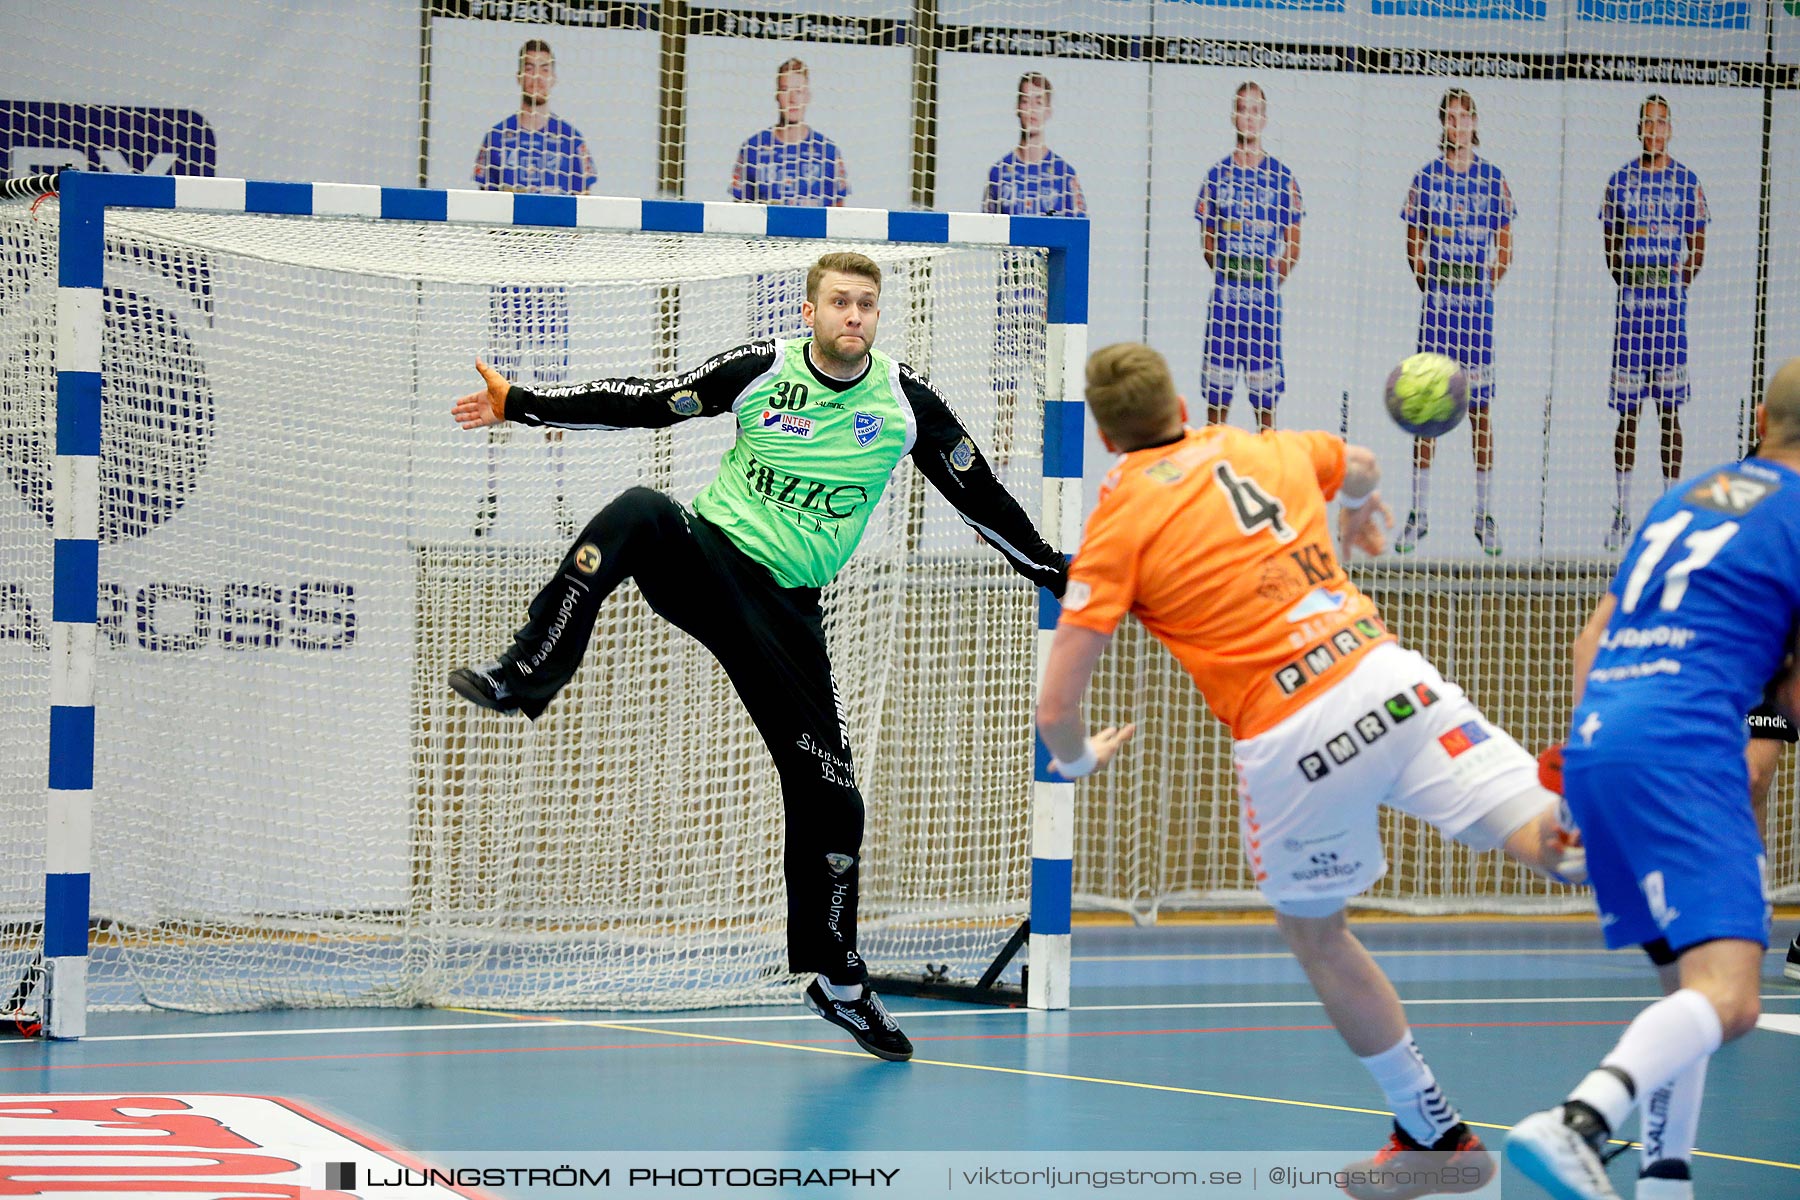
x: 835, y: 356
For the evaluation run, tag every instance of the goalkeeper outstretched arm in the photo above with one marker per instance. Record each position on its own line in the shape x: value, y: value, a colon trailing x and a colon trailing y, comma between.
x: 631, y: 402
x: 947, y: 456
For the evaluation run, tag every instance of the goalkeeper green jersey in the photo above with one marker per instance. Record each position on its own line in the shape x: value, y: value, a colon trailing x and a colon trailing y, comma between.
x: 809, y: 464
x: 812, y: 456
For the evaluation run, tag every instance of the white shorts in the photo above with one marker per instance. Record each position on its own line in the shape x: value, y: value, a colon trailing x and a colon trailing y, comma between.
x: 1393, y: 732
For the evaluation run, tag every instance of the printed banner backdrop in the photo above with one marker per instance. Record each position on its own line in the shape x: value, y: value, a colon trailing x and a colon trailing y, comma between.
x: 397, y: 92
x: 1003, y: 21
x: 606, y: 87
x: 1095, y: 125
x: 860, y: 102
x: 317, y: 91
x: 1527, y: 150
x: 1784, y: 234
x: 1312, y: 129
x: 265, y: 102
x: 1717, y: 134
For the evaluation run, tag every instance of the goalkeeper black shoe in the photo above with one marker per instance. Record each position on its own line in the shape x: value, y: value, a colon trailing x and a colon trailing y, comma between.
x: 491, y: 687
x: 865, y: 1018
x: 1791, y: 969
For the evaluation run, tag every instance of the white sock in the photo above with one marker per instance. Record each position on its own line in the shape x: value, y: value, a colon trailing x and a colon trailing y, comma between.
x: 1672, y: 1118
x: 1481, y: 491
x: 1663, y: 1041
x: 1622, y: 482
x: 1412, y: 1090
x: 841, y: 991
x: 1421, y: 489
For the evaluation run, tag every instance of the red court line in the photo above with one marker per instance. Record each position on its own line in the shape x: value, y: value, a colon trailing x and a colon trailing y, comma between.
x: 683, y: 1043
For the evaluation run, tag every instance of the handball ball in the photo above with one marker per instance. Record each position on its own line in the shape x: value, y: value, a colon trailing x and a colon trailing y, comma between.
x: 1428, y: 394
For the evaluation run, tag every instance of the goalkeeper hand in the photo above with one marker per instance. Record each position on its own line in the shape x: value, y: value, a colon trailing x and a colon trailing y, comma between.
x: 483, y: 408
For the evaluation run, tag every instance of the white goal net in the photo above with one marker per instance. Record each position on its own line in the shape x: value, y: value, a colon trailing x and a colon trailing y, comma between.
x: 297, y: 543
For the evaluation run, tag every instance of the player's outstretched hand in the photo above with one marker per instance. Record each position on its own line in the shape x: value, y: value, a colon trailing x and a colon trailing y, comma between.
x: 1107, y: 742
x: 486, y: 407
x: 1365, y: 527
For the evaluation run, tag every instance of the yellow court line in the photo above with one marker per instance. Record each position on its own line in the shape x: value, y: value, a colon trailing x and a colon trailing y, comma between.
x: 1124, y: 1083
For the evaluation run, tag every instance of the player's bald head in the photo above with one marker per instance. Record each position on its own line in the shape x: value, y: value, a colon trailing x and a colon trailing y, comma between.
x: 1132, y: 395
x: 1782, y: 406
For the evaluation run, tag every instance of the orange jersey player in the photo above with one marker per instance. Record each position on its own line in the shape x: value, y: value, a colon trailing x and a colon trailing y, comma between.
x: 1220, y: 546
x: 1217, y: 540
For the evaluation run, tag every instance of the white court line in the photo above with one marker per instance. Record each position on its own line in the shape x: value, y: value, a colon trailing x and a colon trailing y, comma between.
x: 1779, y: 1023
x: 640, y: 1020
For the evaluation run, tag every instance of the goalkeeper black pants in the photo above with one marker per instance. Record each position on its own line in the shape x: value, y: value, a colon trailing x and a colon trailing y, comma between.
x: 771, y: 642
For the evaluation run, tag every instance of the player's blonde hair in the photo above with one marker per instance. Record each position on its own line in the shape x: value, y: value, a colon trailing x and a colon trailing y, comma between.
x: 1132, y: 395
x: 847, y: 262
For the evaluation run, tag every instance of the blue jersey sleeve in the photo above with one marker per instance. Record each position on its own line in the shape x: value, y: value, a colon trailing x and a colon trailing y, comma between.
x: 1609, y: 200
x: 1288, y: 206
x: 1696, y: 214
x: 487, y: 161
x: 837, y: 178
x: 1074, y: 202
x: 1206, y: 204
x: 582, y: 168
x: 1502, y: 212
x: 743, y: 175
x: 1414, y: 210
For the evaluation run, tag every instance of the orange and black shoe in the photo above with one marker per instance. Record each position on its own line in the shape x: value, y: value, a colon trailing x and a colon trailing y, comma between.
x: 1406, y: 1168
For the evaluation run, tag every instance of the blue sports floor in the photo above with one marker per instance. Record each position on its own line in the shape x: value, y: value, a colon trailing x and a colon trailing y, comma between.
x: 1198, y: 1036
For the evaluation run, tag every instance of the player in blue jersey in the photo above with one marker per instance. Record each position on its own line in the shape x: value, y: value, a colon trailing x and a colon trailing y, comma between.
x: 1702, y: 614
x: 1458, y: 217
x: 1033, y: 180
x: 1249, y: 212
x: 791, y: 162
x: 534, y: 150
x: 1654, y: 219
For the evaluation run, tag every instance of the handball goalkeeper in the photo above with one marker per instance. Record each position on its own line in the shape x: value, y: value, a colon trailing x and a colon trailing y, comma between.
x: 822, y: 424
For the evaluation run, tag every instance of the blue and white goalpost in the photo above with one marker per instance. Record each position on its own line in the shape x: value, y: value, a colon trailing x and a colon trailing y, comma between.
x: 275, y: 619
